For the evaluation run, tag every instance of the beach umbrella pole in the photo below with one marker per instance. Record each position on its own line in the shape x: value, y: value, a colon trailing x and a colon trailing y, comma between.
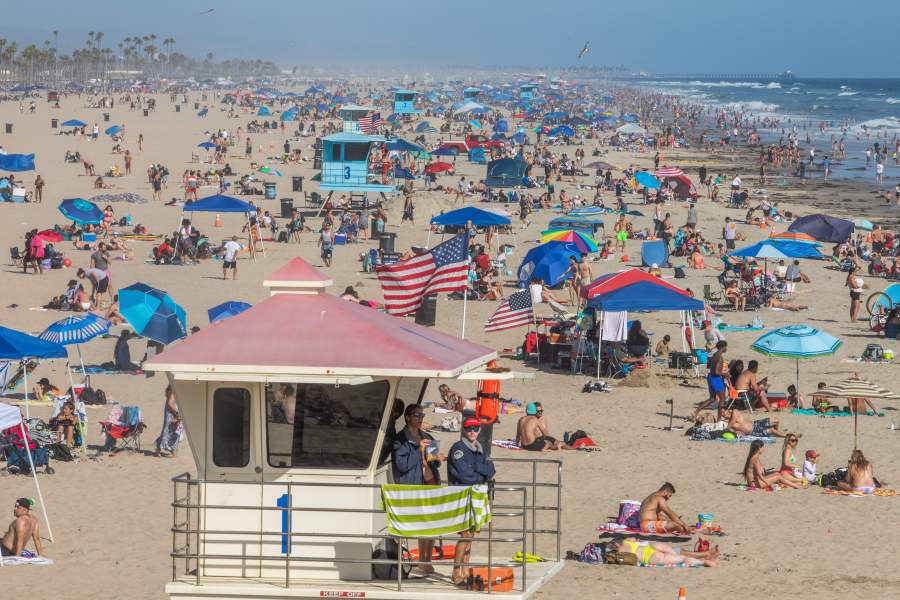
x: 25, y: 382
x: 37, y: 484
x: 75, y: 402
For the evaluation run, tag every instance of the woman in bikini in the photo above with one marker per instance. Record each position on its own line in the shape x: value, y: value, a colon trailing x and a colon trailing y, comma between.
x: 788, y: 459
x: 658, y: 553
x: 860, y: 476
x: 755, y: 473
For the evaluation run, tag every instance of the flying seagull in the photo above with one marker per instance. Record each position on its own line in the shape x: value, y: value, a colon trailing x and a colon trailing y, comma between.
x: 586, y: 49
x: 205, y: 12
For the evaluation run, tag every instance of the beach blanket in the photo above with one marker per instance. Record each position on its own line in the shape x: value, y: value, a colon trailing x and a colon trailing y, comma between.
x: 508, y: 444
x: 14, y: 561
x: 122, y: 197
x: 741, y: 439
x: 739, y: 328
x: 144, y: 237
x: 433, y: 511
x: 101, y: 370
x: 882, y: 492
x: 613, y: 527
x: 843, y: 413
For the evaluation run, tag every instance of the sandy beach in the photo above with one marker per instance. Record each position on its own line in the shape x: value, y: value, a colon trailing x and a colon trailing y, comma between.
x: 111, y: 516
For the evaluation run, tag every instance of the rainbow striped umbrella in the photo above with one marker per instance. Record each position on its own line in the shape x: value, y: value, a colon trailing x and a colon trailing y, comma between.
x: 795, y: 236
x: 582, y: 241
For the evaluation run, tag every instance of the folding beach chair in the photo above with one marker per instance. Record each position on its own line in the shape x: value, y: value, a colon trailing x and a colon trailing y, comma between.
x: 15, y: 257
x: 123, y: 429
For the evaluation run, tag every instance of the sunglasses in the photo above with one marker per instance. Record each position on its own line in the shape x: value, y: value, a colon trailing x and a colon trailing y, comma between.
x: 418, y: 415
x: 471, y: 429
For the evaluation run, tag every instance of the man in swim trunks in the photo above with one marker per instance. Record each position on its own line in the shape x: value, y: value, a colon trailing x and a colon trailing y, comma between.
x: 656, y: 504
x: 715, y: 380
x: 760, y: 428
x: 533, y: 432
x: 24, y: 527
x: 756, y: 390
x: 657, y: 553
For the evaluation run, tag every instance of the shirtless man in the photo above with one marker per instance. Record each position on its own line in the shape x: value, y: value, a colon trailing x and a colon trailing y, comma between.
x: 24, y: 527
x: 747, y: 381
x: 656, y: 504
x: 760, y: 428
x: 533, y: 432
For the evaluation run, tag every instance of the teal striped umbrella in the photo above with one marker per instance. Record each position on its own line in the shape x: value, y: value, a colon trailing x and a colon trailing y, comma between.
x: 799, y: 342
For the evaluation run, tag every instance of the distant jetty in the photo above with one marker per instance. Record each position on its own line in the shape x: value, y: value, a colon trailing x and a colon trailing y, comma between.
x: 779, y: 77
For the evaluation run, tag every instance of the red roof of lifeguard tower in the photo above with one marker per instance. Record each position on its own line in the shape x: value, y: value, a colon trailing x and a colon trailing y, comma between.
x: 303, y: 331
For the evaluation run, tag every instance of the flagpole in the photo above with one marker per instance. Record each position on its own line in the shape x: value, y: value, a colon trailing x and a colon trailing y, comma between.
x: 462, y: 333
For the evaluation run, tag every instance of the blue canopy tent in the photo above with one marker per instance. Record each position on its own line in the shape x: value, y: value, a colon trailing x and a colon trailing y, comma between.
x: 74, y: 123
x: 478, y: 216
x: 547, y: 262
x: 476, y: 155
x: 562, y: 130
x: 824, y: 228
x: 505, y: 172
x: 206, y: 145
x: 518, y: 138
x: 221, y: 203
x: 203, y: 112
x: 401, y: 145
x: 445, y: 151
x: 289, y: 115
x: 16, y: 162
x: 423, y: 127
x: 16, y: 345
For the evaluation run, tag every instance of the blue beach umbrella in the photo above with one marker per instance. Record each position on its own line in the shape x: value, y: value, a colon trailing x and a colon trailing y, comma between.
x: 445, y: 151
x: 646, y: 179
x: 800, y: 342
x: 16, y: 345
x: 74, y: 123
x: 152, y: 313
x: 226, y: 310
x: 83, y: 212
x: 113, y: 130
x: 547, y: 262
x: 563, y: 130
x: 402, y: 145
x: 207, y: 145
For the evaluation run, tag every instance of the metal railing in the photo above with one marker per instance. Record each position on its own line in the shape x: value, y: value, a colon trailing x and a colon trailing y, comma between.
x: 188, y: 536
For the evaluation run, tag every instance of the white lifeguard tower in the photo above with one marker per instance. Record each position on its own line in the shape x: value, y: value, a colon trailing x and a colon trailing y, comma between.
x: 290, y: 408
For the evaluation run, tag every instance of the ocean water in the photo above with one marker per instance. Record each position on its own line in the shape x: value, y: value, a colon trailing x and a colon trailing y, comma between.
x: 862, y: 111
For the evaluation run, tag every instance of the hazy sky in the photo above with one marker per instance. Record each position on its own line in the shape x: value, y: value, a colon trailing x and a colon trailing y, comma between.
x: 821, y: 38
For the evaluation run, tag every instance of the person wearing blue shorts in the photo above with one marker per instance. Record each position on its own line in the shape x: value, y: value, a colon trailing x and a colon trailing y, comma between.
x: 715, y: 380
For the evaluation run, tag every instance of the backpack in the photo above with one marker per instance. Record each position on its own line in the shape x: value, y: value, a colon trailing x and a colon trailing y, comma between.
x: 679, y: 273
x: 620, y: 558
x: 90, y: 395
x: 591, y: 554
x: 387, y: 550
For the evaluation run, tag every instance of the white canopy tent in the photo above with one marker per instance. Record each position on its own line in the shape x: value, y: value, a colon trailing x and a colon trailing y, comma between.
x: 11, y: 416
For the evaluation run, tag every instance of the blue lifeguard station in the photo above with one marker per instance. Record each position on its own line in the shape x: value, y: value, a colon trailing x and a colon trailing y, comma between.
x: 350, y: 115
x: 345, y: 165
x: 526, y: 91
x: 405, y: 102
x: 471, y: 94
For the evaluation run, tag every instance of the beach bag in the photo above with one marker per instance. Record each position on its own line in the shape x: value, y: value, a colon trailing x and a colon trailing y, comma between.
x: 620, y: 558
x: 628, y: 513
x: 679, y: 273
x: 387, y: 550
x: 591, y: 554
x: 873, y: 352
x: 91, y: 396
x: 830, y: 480
x: 60, y: 451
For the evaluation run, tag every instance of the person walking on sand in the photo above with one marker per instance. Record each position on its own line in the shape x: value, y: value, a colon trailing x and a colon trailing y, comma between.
x: 172, y: 428
x: 231, y: 248
x: 856, y: 285
x: 38, y: 189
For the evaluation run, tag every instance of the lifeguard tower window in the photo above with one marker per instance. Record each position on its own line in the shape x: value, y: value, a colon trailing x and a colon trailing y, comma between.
x: 314, y: 426
x: 231, y: 427
x: 355, y: 152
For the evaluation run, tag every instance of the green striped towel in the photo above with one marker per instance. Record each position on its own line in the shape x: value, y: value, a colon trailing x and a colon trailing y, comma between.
x: 433, y: 511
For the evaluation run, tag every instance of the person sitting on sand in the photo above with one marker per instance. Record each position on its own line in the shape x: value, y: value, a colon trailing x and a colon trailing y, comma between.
x: 773, y: 302
x: 656, y: 504
x: 44, y: 391
x: 651, y: 553
x: 756, y: 390
x: 789, y: 459
x: 24, y: 527
x: 860, y: 477
x: 755, y: 474
x: 452, y: 399
x: 533, y: 432
x: 760, y: 428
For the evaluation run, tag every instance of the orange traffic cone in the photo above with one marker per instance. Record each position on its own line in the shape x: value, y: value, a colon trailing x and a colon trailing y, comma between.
x: 218, y: 222
x: 681, y: 594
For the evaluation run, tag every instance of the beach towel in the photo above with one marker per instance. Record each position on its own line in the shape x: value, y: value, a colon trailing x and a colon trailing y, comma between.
x: 842, y: 413
x: 508, y: 444
x: 14, y: 561
x: 740, y: 328
x: 101, y: 370
x: 613, y: 527
x: 880, y: 492
x: 433, y: 511
x: 741, y: 439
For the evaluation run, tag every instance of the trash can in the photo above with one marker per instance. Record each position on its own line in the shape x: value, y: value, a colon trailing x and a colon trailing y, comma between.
x: 9, y: 127
x: 297, y: 183
x: 427, y: 312
x: 287, y: 205
x: 196, y: 106
x: 177, y: 108
x: 146, y: 112
x: 377, y: 229
x: 386, y: 242
x: 270, y: 191
x: 54, y: 123
x: 106, y: 117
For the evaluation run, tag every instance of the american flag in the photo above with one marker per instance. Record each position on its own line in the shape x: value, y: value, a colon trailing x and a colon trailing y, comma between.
x: 370, y: 122
x: 444, y: 268
x: 514, y: 312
